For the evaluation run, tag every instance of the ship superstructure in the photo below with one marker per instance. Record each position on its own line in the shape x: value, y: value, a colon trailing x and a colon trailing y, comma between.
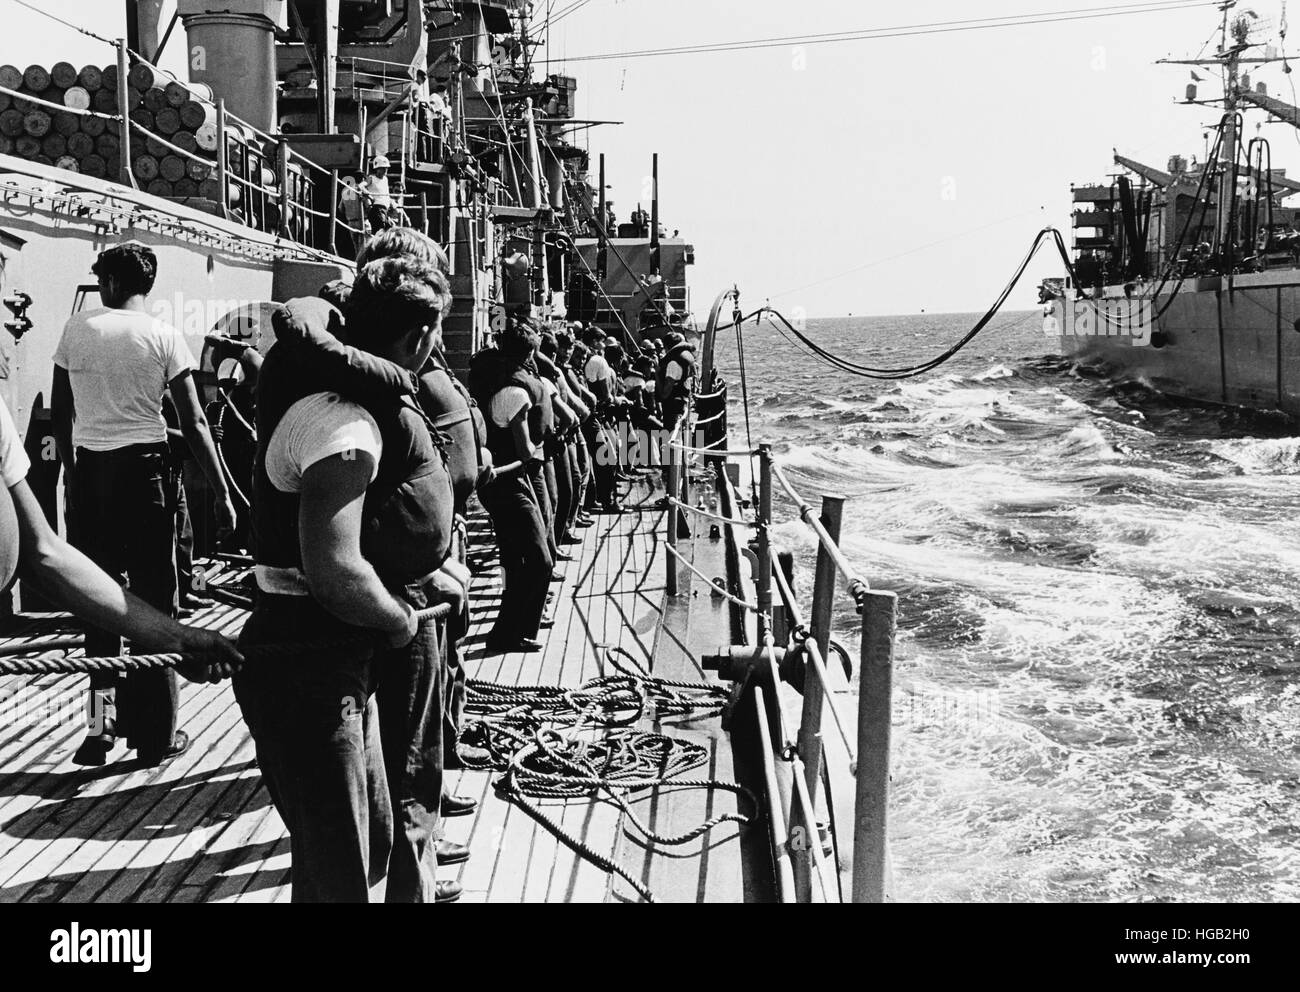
x: 1187, y: 277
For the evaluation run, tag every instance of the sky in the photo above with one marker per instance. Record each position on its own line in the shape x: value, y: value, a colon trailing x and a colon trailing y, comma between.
x: 870, y: 177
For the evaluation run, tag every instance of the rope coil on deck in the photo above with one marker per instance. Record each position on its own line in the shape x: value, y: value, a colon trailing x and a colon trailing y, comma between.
x: 537, y: 736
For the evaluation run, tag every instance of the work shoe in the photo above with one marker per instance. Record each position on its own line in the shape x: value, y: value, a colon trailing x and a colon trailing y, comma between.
x: 524, y: 645
x: 447, y: 891
x: 93, y: 751
x: 450, y: 853
x: 180, y: 744
x: 458, y: 805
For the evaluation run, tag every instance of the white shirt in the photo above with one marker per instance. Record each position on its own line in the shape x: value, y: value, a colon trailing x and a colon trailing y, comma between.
x: 598, y: 369
x: 378, y: 191
x: 120, y: 363
x: 317, y: 427
x: 14, y: 463
x: 508, y: 403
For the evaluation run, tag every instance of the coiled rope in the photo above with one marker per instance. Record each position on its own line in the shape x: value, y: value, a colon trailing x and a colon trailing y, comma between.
x: 537, y: 736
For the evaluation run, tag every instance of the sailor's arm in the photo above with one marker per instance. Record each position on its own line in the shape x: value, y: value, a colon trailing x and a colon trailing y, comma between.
x: 329, y: 532
x: 194, y: 425
x: 78, y: 585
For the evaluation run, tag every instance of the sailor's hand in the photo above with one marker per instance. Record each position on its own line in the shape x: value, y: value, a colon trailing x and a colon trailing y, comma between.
x: 215, y: 657
x: 405, y: 634
x: 225, y: 514
x: 450, y: 584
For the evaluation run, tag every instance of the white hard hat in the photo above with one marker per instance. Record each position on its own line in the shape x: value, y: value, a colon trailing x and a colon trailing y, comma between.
x: 381, y: 162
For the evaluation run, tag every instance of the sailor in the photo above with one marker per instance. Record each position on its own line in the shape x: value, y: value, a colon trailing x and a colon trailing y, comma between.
x: 569, y: 413
x: 112, y: 367
x: 514, y: 403
x: 362, y: 475
x: 600, y: 381
x: 378, y: 196
x: 676, y: 378
x: 586, y: 407
x: 457, y: 417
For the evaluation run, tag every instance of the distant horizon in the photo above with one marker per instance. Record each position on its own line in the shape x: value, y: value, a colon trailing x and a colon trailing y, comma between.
x: 916, y: 313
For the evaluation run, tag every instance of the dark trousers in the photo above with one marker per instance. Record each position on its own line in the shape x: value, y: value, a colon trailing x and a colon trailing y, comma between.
x: 410, y: 697
x: 457, y: 626
x: 315, y: 725
x: 184, y: 539
x: 543, y: 480
x: 577, y: 480
x: 564, y: 496
x: 511, y: 502
x: 124, y: 514
x: 604, y: 463
x: 582, y: 472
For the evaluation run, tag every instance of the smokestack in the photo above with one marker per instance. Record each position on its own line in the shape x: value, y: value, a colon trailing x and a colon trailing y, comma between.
x: 232, y: 49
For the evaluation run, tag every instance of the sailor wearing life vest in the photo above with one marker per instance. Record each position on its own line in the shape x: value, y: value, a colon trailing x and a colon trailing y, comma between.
x: 519, y: 418
x: 346, y: 456
x: 676, y: 378
x: 457, y: 418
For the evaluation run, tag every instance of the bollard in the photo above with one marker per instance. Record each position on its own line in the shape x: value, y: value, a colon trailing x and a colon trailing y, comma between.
x: 879, y: 623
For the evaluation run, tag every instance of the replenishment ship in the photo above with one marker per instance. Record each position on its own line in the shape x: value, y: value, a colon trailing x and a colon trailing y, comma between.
x: 680, y: 634
x: 1187, y: 277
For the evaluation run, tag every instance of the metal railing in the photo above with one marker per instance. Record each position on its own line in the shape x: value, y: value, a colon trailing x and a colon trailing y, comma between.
x: 786, y: 641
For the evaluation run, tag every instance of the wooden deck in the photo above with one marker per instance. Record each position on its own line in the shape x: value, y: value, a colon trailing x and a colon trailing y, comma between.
x: 201, y: 828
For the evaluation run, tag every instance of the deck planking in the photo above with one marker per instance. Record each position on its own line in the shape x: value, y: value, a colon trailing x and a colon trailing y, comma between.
x: 201, y: 828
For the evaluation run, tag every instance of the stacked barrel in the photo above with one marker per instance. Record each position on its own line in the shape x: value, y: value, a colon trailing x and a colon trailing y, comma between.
x: 180, y: 113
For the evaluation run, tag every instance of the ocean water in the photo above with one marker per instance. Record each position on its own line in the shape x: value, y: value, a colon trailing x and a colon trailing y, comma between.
x: 1097, y: 689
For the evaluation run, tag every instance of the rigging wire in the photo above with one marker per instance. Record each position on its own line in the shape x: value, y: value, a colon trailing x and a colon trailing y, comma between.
x: 900, y: 31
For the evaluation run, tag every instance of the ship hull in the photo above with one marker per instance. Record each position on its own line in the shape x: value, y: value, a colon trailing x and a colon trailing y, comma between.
x: 1230, y: 341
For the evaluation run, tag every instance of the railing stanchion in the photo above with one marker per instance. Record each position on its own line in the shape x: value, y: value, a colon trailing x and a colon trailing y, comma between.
x: 879, y: 623
x: 223, y: 161
x: 814, y: 693
x: 286, y: 224
x: 333, y: 241
x: 763, y: 581
x: 819, y: 622
x: 674, y: 489
x: 126, y: 172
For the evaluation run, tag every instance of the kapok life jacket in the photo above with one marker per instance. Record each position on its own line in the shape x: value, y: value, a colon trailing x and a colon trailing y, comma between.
x: 454, y: 412
x: 492, y: 371
x: 407, y: 518
x: 684, y: 356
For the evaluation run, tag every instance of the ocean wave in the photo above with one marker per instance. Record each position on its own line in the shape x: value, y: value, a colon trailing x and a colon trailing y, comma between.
x: 1270, y: 456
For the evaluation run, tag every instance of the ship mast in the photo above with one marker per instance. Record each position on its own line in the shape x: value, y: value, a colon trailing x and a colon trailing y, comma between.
x: 1224, y: 237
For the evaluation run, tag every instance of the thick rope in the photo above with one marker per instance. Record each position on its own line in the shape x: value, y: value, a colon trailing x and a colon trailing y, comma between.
x: 123, y: 664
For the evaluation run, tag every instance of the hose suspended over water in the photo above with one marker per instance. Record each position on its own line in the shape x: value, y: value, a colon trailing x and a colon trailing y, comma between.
x: 912, y: 371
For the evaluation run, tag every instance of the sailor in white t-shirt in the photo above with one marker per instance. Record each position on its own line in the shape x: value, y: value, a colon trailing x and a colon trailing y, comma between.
x: 112, y: 368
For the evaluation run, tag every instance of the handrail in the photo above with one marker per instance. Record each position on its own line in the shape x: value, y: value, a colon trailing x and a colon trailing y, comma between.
x: 857, y: 585
x: 815, y: 659
x: 792, y: 764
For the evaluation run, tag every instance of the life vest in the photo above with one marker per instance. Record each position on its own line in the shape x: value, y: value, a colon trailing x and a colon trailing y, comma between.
x: 491, y: 372
x: 684, y: 356
x: 408, y: 511
x: 454, y: 412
